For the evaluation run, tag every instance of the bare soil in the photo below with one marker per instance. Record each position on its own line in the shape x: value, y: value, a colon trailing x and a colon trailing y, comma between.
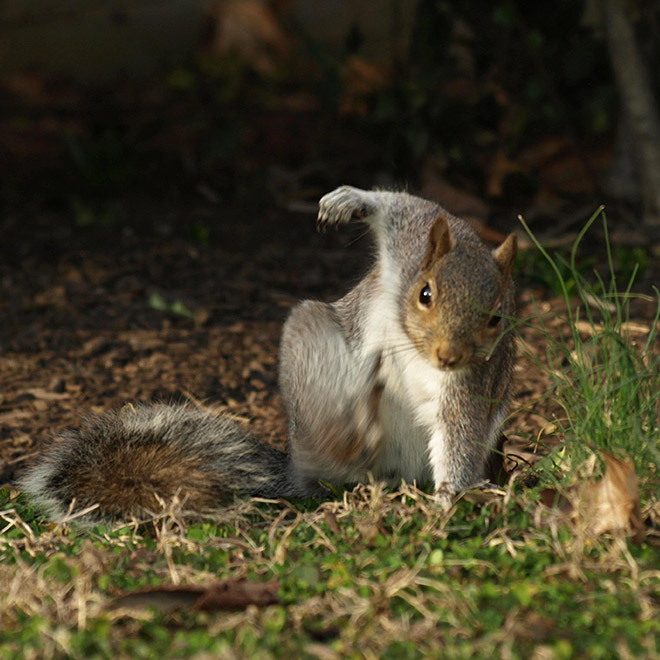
x: 141, y: 305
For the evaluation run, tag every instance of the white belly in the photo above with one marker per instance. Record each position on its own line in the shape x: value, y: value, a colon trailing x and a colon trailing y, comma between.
x: 413, y: 393
x: 404, y: 454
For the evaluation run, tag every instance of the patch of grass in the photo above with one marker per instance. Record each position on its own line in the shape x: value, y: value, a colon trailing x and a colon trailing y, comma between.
x: 377, y: 574
x: 605, y: 369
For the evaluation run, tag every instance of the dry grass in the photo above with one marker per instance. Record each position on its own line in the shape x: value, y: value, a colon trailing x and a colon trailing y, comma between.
x: 373, y: 574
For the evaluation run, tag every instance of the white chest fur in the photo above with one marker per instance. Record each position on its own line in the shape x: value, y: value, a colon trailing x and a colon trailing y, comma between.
x: 413, y: 393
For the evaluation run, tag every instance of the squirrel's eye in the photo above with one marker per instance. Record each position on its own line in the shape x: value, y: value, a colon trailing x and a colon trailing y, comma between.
x: 425, y: 296
x: 495, y: 319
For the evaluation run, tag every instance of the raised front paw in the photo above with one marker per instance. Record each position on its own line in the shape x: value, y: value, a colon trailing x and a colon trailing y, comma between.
x: 343, y: 205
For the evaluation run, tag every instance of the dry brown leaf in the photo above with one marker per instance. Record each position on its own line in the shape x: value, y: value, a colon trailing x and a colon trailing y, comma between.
x: 16, y: 415
x: 331, y: 519
x: 250, y: 29
x: 499, y: 168
x: 613, y: 502
x: 554, y: 500
x: 560, y: 166
x: 587, y: 328
x: 544, y: 151
x: 362, y: 79
x: 635, y: 328
x: 610, y: 504
x: 488, y: 495
x: 220, y: 595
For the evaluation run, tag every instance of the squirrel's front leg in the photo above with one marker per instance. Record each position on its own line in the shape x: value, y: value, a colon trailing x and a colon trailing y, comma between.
x: 458, y: 453
x: 345, y: 204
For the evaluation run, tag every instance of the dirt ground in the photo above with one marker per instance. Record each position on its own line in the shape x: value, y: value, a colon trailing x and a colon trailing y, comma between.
x: 143, y: 307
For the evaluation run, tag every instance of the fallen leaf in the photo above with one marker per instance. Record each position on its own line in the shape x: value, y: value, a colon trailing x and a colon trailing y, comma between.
x: 554, y: 500
x: 96, y: 346
x: 331, y: 519
x: 559, y: 165
x: 610, y: 504
x: 16, y: 415
x: 484, y: 494
x: 499, y: 168
x: 249, y: 29
x: 362, y: 79
x: 635, y: 328
x: 221, y: 595
x: 613, y: 502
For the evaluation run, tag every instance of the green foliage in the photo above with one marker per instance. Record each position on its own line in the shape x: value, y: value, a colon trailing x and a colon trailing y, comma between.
x: 606, y: 380
x: 630, y: 261
x: 85, y: 216
x: 156, y: 301
x: 533, y: 266
x: 200, y: 233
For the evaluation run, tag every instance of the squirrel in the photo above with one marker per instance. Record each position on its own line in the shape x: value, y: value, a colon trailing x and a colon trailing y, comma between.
x: 408, y: 376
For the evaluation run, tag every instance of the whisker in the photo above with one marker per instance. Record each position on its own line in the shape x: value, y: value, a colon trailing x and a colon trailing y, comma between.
x: 359, y: 236
x: 400, y: 351
x: 386, y: 346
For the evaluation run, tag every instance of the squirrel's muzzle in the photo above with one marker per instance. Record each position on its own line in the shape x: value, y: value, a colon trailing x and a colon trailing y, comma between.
x: 451, y: 354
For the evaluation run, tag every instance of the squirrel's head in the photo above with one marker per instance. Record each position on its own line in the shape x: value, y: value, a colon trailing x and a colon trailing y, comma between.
x: 457, y: 307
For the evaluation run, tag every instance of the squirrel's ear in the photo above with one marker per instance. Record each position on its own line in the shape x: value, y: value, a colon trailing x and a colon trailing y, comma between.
x: 505, y: 255
x: 439, y: 242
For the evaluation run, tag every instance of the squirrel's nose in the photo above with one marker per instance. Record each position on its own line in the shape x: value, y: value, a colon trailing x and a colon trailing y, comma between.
x: 449, y: 355
x: 447, y: 361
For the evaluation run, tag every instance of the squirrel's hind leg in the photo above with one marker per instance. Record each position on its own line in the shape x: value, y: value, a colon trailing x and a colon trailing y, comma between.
x: 331, y: 396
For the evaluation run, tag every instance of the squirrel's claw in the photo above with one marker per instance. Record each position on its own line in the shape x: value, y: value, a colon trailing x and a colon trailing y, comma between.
x: 341, y: 206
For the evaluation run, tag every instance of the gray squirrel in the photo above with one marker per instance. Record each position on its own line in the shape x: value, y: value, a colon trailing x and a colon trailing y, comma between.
x: 408, y: 376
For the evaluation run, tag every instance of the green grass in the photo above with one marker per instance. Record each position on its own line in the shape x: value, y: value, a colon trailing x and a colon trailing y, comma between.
x: 380, y: 574
x: 605, y: 370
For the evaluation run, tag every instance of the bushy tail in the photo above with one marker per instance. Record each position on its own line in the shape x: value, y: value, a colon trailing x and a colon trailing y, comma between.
x: 127, y: 463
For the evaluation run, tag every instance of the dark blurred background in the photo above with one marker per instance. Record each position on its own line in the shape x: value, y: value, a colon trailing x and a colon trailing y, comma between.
x: 204, y: 119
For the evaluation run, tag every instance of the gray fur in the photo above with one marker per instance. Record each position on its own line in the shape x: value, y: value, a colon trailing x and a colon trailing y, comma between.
x: 361, y: 394
x: 232, y: 461
x: 431, y: 424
